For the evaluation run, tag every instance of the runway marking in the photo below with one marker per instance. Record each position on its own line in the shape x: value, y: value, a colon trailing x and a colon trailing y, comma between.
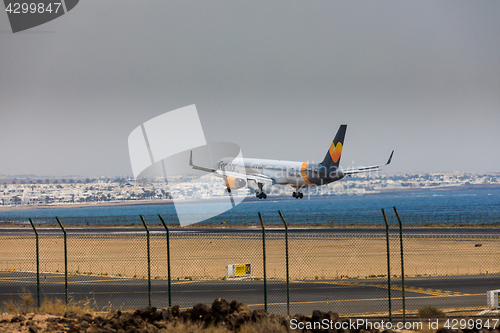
x: 51, y: 282
x: 254, y: 289
x: 358, y: 300
x: 33, y: 279
x: 427, y: 291
x: 281, y: 303
x: 420, y: 290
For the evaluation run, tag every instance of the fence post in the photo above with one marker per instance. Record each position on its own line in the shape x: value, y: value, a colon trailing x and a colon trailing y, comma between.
x: 287, y: 272
x: 388, y: 265
x: 149, y: 259
x: 37, y: 264
x: 264, y: 260
x: 402, y: 263
x: 65, y: 260
x: 168, y: 260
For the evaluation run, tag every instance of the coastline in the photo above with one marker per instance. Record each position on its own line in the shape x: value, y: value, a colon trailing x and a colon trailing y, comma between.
x: 171, y: 202
x: 94, y: 204
x: 441, y: 188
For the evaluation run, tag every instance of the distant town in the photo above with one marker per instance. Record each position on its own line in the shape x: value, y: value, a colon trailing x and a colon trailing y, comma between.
x: 49, y: 191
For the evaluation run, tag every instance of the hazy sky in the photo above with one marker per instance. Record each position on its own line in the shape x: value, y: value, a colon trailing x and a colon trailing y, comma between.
x: 275, y: 77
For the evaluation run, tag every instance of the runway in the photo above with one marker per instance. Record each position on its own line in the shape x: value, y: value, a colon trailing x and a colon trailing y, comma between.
x: 349, y: 296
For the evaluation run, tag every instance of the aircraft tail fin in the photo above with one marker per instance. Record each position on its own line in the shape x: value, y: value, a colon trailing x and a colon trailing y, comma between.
x: 332, y: 158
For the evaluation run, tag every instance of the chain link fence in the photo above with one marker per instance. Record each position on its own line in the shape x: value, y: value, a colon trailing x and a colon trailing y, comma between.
x: 368, y: 217
x: 327, y: 269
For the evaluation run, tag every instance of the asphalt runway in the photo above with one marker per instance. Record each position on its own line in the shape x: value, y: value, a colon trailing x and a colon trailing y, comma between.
x: 344, y: 296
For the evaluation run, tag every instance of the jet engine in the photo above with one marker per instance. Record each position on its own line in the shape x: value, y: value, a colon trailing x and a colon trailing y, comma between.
x: 235, y: 183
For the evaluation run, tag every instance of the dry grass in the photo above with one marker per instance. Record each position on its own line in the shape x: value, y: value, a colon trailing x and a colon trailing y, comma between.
x: 10, y: 305
x: 27, y: 302
x: 51, y: 306
x: 57, y: 307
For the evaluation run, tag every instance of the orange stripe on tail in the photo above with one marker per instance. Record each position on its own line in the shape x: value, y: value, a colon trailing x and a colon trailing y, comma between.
x: 303, y: 173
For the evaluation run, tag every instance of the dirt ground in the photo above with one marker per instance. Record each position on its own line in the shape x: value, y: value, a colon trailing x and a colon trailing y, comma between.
x: 201, y: 257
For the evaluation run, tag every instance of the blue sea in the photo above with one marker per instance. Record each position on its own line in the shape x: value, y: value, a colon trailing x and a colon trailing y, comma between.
x: 476, y: 206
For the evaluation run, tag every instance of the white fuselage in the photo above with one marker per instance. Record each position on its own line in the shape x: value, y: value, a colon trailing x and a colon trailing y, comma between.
x: 300, y: 174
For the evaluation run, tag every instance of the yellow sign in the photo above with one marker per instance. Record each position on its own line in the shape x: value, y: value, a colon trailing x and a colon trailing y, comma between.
x: 242, y: 269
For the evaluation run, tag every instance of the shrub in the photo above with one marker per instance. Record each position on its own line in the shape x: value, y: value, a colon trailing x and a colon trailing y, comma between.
x: 431, y: 312
x: 10, y: 305
x: 28, y: 301
x: 57, y: 307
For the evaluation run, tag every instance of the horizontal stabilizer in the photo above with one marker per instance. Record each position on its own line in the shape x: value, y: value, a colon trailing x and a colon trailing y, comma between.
x: 368, y: 168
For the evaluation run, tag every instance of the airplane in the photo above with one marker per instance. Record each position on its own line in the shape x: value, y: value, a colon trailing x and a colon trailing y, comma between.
x: 237, y: 172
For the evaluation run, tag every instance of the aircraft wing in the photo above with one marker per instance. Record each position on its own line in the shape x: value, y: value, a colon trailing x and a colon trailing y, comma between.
x: 255, y: 177
x: 366, y: 169
x: 223, y: 174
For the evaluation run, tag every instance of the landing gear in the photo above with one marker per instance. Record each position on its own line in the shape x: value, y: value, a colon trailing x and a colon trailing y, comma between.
x: 228, y: 190
x: 261, y: 194
x: 298, y: 194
